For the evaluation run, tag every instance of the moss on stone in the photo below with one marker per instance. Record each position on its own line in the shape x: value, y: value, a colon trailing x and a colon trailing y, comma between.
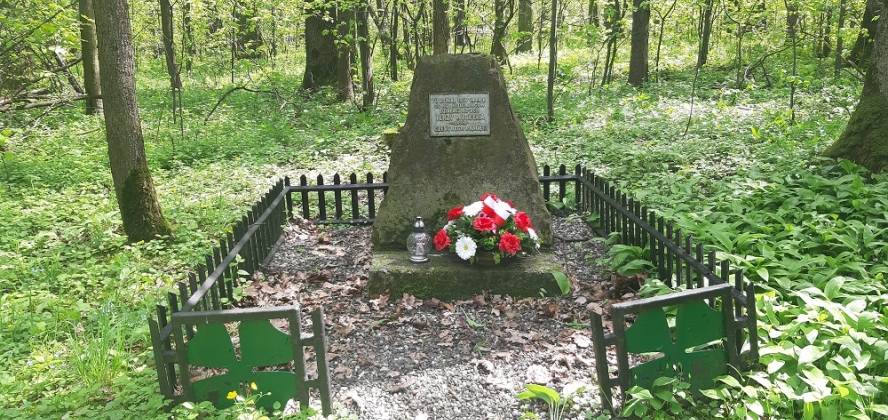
x: 447, y: 277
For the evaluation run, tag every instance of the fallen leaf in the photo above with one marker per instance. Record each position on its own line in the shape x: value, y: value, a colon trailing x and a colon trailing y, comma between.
x: 582, y: 341
x: 404, y: 385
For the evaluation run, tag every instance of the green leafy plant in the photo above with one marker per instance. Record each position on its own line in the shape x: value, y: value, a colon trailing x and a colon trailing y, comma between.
x: 563, y: 282
x: 668, y: 398
x: 558, y: 405
x: 626, y: 260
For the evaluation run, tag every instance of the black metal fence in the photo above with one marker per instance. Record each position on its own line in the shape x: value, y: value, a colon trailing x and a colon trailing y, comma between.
x: 256, y: 237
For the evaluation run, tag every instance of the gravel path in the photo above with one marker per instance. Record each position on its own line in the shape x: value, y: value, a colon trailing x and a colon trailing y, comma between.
x: 398, y: 357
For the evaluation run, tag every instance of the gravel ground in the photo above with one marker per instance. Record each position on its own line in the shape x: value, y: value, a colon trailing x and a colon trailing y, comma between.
x: 399, y: 357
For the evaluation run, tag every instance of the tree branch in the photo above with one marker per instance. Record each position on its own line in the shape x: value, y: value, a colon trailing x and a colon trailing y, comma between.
x: 54, y: 102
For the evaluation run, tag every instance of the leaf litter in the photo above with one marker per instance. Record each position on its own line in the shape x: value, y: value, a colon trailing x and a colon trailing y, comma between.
x: 401, y: 357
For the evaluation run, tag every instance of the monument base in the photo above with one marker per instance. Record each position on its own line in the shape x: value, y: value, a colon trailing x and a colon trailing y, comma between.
x: 446, y: 277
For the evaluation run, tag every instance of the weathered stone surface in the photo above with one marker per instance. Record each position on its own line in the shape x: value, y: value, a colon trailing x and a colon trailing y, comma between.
x: 447, y: 277
x: 430, y: 175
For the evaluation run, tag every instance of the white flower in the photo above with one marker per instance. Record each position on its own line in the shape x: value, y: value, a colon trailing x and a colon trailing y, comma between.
x: 465, y: 247
x: 473, y: 209
x: 533, y: 236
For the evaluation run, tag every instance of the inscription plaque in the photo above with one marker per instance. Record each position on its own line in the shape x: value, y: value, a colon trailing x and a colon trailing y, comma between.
x: 459, y: 114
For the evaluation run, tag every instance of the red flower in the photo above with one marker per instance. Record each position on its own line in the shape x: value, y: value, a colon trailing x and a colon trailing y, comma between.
x: 510, y: 243
x: 441, y: 239
x: 484, y: 223
x: 483, y: 197
x: 454, y: 213
x: 522, y: 221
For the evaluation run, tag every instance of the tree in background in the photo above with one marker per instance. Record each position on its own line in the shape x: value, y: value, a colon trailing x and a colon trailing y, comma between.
x: 525, y: 26
x: 504, y: 10
x: 141, y: 213
x: 368, y: 98
x: 705, y: 33
x: 638, y: 50
x: 593, y: 14
x: 320, y: 51
x: 343, y: 37
x: 460, y: 31
x: 249, y: 38
x: 91, y: 80
x: 169, y: 50
x: 441, y: 26
x: 863, y: 47
x: 865, y: 139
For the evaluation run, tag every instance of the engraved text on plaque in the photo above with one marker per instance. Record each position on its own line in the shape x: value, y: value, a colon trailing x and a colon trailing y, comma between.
x: 459, y: 114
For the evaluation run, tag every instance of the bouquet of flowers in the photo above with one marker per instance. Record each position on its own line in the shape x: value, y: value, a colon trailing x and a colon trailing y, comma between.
x: 488, y: 225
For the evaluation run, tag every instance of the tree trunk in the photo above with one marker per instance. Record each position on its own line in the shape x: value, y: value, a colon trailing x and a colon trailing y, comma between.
x: 409, y: 55
x: 369, y: 91
x: 502, y: 16
x: 553, y: 63
x: 166, y: 24
x: 440, y: 27
x: 792, y: 18
x: 863, y: 47
x: 593, y: 13
x: 865, y: 139
x: 823, y: 48
x: 706, y: 33
x: 840, y: 42
x: 187, y: 35
x: 525, y: 26
x: 613, y: 15
x: 249, y: 39
x: 461, y: 34
x: 344, y: 17
x: 638, y: 53
x: 91, y: 80
x: 320, y: 52
x: 393, y: 52
x: 141, y: 213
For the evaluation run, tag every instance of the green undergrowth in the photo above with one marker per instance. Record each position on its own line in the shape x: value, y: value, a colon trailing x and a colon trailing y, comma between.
x: 813, y: 241
x: 75, y: 296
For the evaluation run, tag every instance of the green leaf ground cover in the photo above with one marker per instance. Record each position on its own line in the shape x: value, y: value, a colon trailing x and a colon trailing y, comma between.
x: 810, y: 233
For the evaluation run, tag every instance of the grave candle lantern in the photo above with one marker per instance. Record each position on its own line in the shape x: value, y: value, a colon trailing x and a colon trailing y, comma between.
x: 419, y: 242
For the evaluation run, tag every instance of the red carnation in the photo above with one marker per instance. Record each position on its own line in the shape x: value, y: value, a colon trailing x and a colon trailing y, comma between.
x: 441, y: 239
x: 522, y: 221
x: 484, y: 197
x: 510, y: 243
x: 484, y: 223
x: 454, y: 213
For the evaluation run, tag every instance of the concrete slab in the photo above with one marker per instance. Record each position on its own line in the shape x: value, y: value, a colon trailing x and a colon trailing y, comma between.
x: 447, y: 277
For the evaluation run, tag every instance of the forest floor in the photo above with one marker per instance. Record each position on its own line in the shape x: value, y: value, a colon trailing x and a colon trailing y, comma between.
x: 400, y: 357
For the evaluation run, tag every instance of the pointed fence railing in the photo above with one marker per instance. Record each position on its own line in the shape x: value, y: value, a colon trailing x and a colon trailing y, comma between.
x: 253, y: 241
